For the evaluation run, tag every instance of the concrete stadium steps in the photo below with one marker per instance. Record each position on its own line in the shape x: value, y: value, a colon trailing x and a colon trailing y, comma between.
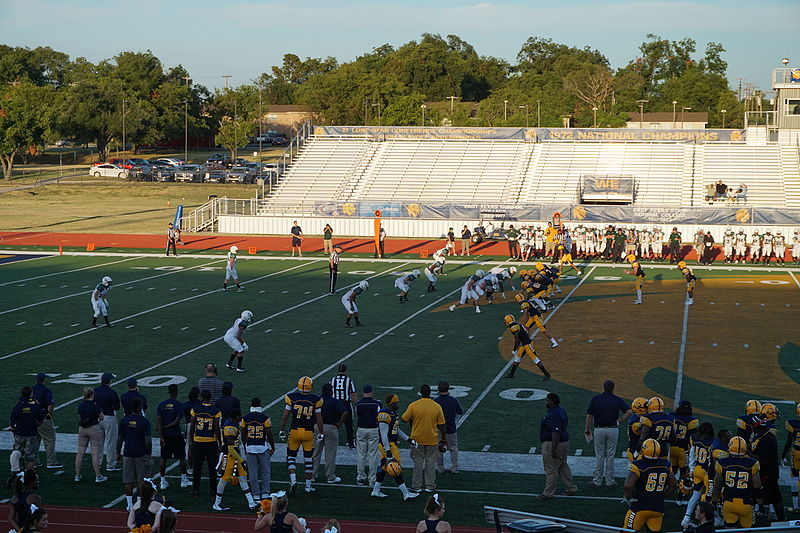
x: 790, y: 168
x: 759, y: 167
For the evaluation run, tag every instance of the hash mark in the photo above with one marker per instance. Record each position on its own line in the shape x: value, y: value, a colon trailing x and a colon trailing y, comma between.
x: 441, y: 336
x: 284, y: 292
x: 712, y: 303
x: 174, y: 289
x: 590, y: 340
x: 20, y: 323
x: 412, y: 334
x: 762, y: 305
x: 63, y: 286
x: 128, y: 288
x: 267, y: 331
x: 499, y: 338
x: 307, y: 292
x: 532, y: 449
x: 211, y: 329
x: 353, y: 333
x: 42, y: 286
x: 621, y: 341
x: 778, y: 346
x: 129, y: 327
x: 48, y: 324
x: 261, y: 292
x: 73, y: 325
x: 195, y: 289
x: 612, y: 301
x: 325, y: 332
x: 486, y: 448
x: 157, y: 327
x: 714, y: 344
x: 746, y: 345
x: 652, y: 342
x: 471, y: 337
x: 150, y: 288
x: 184, y: 328
x: 296, y: 331
x: 662, y: 301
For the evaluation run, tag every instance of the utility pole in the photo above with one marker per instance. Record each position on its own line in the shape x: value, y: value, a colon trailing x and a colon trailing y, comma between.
x: 123, y: 125
x: 226, y: 76
x: 187, y: 79
x: 505, y: 110
x: 452, y: 99
x: 641, y: 112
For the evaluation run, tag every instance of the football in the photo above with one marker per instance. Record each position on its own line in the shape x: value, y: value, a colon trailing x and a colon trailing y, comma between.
x: 442, y: 447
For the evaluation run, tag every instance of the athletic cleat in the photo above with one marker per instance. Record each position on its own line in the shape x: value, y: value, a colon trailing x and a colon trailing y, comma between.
x: 220, y: 507
x: 113, y: 468
x: 241, y: 370
x: 554, y: 344
x: 637, y: 302
x: 77, y: 478
x: 410, y: 496
x: 229, y: 365
x: 546, y: 377
x: 477, y: 309
x: 348, y: 326
x: 164, y: 483
x: 100, y: 479
x: 451, y: 309
x: 310, y: 489
x: 378, y: 494
x: 185, y: 483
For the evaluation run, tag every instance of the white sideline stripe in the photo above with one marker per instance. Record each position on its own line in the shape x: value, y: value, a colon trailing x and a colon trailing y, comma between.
x: 368, y: 343
x: 140, y: 313
x: 217, y: 339
x: 794, y: 278
x: 65, y: 271
x: 17, y: 252
x: 117, y: 285
x: 503, y: 370
x: 681, y: 355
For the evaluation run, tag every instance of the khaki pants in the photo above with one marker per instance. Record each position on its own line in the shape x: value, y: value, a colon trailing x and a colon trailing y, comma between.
x: 452, y: 448
x: 329, y: 446
x: 47, y: 434
x: 605, y: 447
x: 556, y: 467
x: 549, y: 247
x: 110, y: 428
x: 367, y: 454
x: 327, y: 246
x: 424, y: 458
x: 464, y: 247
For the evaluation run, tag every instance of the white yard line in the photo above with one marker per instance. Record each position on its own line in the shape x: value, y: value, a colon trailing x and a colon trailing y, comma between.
x: 681, y: 355
x: 794, y: 278
x: 50, y: 254
x: 146, y: 311
x: 502, y: 372
x: 66, y: 271
x: 86, y: 293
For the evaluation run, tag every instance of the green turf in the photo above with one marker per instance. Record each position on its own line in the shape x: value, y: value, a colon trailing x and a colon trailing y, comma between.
x: 298, y: 331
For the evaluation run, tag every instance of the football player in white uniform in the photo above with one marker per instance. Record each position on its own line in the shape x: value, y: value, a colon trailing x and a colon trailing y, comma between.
x: 100, y: 301
x: 740, y: 246
x: 471, y: 291
x: 230, y: 269
x: 439, y: 256
x: 767, y: 247
x: 404, y: 284
x: 538, y: 242
x: 796, y: 247
x: 727, y: 245
x: 507, y: 274
x: 433, y: 269
x: 234, y: 338
x: 349, y: 302
x: 780, y: 248
x: 755, y: 247
x: 658, y: 243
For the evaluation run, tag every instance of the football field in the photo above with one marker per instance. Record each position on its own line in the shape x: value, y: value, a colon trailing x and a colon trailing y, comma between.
x: 739, y: 341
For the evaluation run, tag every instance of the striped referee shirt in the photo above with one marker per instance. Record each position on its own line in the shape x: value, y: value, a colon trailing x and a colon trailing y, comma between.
x: 334, y: 264
x: 343, y: 387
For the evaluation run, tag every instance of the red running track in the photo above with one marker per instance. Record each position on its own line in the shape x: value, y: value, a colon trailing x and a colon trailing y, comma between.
x: 80, y: 520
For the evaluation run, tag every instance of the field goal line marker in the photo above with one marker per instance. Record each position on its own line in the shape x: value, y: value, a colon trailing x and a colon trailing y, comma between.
x: 212, y: 341
x: 84, y: 292
x: 64, y: 271
x: 146, y: 311
x: 502, y: 372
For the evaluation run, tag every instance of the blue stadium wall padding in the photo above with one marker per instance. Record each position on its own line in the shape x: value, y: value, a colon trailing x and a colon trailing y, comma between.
x: 178, y: 216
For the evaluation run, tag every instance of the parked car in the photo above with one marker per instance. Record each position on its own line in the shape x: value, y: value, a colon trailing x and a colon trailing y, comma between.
x: 164, y: 174
x: 280, y: 140
x: 214, y: 176
x: 189, y: 173
x: 172, y: 161
x: 139, y: 162
x: 124, y: 163
x: 239, y: 175
x: 108, y: 170
x: 217, y: 159
x: 157, y: 163
x: 63, y: 142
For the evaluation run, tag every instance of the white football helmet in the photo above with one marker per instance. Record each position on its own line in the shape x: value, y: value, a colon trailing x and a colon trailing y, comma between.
x: 480, y: 273
x: 247, y: 315
x: 364, y: 285
x: 234, y: 249
x: 106, y: 280
x: 512, y: 270
x: 415, y: 273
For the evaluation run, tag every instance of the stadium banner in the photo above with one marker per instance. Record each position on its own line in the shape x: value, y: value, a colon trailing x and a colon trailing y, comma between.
x: 360, y: 209
x: 607, y: 186
x: 635, y: 134
x: 405, y: 132
x: 776, y: 216
x: 660, y: 215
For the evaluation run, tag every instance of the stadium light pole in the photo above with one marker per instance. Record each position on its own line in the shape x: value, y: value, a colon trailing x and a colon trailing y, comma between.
x: 594, y: 113
x: 505, y: 110
x: 124, y: 101
x: 641, y: 112
x: 452, y: 99
x: 683, y: 110
x: 226, y: 76
x: 526, y: 114
x: 424, y: 107
x: 260, y: 124
x: 674, y: 114
x: 538, y: 113
x: 378, y: 105
x: 187, y: 79
x: 723, y: 111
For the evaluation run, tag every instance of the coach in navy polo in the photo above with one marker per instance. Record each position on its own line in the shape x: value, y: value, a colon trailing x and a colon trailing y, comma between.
x: 603, y: 415
x: 128, y: 397
x: 108, y: 400
x: 25, y: 419
x: 554, y: 436
x: 47, y: 431
x: 451, y: 409
x: 134, y: 448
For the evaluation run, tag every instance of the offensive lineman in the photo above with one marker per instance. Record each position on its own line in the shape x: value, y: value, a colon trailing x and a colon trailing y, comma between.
x: 522, y: 347
x: 230, y: 270
x: 100, y: 300
x: 700, y: 462
x: 306, y: 412
x: 737, y: 482
x: 691, y: 281
x: 233, y: 338
x: 349, y: 302
x: 403, y: 283
x: 388, y: 433
x: 431, y: 270
x: 470, y: 290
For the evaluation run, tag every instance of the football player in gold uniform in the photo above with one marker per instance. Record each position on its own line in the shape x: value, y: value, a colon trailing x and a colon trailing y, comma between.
x: 639, y: 408
x: 648, y: 483
x: 744, y: 424
x: 231, y: 466
x: 685, y: 427
x: 737, y: 484
x: 691, y: 281
x: 522, y: 347
x: 700, y: 460
x: 636, y: 270
x: 305, y: 409
x: 566, y: 259
x: 532, y: 315
x: 389, y: 433
x: 793, y: 444
x: 658, y: 425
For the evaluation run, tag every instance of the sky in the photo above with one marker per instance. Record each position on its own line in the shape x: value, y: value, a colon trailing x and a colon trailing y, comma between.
x: 242, y: 38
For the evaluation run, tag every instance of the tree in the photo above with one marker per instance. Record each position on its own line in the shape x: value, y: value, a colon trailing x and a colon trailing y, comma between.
x: 25, y: 119
x: 593, y: 85
x: 234, y: 133
x: 405, y: 111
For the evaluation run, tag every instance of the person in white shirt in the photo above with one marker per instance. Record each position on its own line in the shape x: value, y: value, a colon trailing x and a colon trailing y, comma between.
x: 780, y: 248
x: 740, y: 246
x: 233, y: 338
x: 727, y: 245
x: 796, y: 247
x: 230, y: 270
x: 349, y: 302
x: 404, y: 284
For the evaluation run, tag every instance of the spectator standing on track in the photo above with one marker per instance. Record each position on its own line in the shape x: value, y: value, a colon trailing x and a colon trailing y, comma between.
x: 297, y: 239
x: 134, y: 448
x: 227, y: 402
x: 344, y: 390
x: 259, y: 446
x: 555, y: 445
x: 25, y: 419
x: 698, y: 245
x: 428, y: 430
x: 211, y: 382
x: 367, y: 437
x: 333, y: 267
x: 204, y: 441
x: 708, y: 248
x: 89, y: 434
x: 327, y: 239
x: 512, y: 236
x: 604, y: 416
x: 451, y: 408
x: 108, y: 401
x: 466, y: 237
x: 173, y: 236
x: 451, y: 240
x: 133, y: 392
x: 46, y: 430
x: 675, y: 246
x: 168, y: 424
x: 333, y: 416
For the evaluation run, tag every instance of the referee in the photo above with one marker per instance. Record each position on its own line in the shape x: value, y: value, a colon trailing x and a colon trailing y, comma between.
x: 173, y: 235
x: 333, y: 266
x: 344, y: 389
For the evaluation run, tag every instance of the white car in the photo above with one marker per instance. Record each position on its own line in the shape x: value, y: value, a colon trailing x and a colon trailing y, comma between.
x: 108, y: 170
x: 172, y: 161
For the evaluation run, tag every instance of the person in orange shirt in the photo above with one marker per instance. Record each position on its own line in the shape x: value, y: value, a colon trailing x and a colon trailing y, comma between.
x: 428, y: 431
